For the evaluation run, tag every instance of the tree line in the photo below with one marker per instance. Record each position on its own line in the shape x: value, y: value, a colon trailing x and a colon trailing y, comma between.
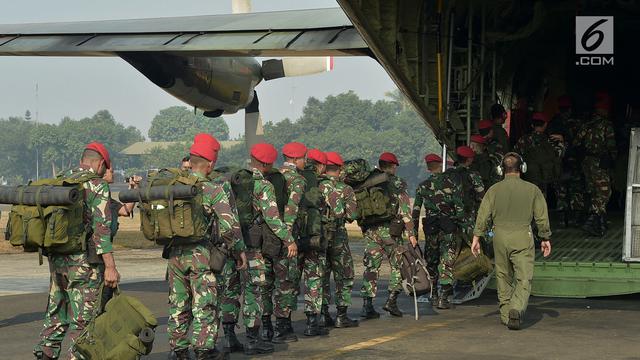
x: 345, y: 123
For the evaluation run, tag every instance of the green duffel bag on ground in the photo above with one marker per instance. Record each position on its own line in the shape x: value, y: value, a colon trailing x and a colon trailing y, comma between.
x: 468, y: 267
x: 123, y: 331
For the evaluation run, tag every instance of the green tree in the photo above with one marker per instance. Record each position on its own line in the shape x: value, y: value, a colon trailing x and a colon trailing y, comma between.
x: 177, y: 123
x: 168, y: 157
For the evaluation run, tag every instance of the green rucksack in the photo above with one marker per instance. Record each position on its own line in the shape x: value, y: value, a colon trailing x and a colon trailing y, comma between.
x: 57, y: 229
x: 544, y: 166
x: 376, y: 198
x: 461, y: 176
x: 355, y: 171
x: 309, y: 226
x: 172, y: 221
x: 123, y: 331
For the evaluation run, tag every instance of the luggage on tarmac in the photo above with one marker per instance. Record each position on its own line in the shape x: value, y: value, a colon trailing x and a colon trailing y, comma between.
x: 468, y: 267
x: 416, y: 280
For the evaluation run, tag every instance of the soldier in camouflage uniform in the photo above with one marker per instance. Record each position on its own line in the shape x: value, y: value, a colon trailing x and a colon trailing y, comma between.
x: 597, y: 140
x: 193, y: 293
x: 312, y: 264
x: 486, y: 130
x: 541, y: 153
x: 264, y: 202
x: 75, y: 279
x: 341, y: 207
x: 379, y: 242
x: 570, y: 190
x: 442, y: 198
x: 484, y: 164
x: 423, y: 197
x: 499, y: 116
x: 280, y: 295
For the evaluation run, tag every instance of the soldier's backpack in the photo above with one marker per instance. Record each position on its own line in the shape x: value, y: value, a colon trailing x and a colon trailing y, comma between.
x: 461, y: 176
x: 57, y: 227
x: 544, y: 165
x: 416, y: 279
x: 309, y: 226
x: 125, y: 330
x: 355, y: 171
x: 171, y: 221
x: 468, y: 267
x: 376, y: 198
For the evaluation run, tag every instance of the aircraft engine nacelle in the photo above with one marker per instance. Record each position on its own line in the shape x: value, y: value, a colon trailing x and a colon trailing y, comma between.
x: 215, y: 85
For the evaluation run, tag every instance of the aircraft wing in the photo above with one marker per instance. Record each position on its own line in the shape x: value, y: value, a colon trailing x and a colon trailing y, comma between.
x: 317, y: 32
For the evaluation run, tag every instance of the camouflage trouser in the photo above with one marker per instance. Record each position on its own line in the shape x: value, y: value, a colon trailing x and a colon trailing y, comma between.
x: 340, y: 262
x: 570, y: 194
x: 73, y: 290
x: 449, y: 244
x: 232, y: 288
x: 598, y: 184
x: 432, y: 252
x: 192, y: 299
x: 378, y: 242
x: 311, y: 264
x: 279, y: 293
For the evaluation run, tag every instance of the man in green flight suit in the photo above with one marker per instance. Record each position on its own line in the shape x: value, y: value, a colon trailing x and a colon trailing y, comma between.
x: 511, y: 205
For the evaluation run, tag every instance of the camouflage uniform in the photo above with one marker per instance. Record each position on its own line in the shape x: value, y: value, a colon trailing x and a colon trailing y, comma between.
x: 441, y: 197
x: 193, y: 293
x: 341, y: 201
x: 311, y: 265
x: 543, y: 157
x: 75, y: 280
x: 281, y: 288
x: 570, y: 191
x: 378, y: 242
x: 495, y: 147
x: 485, y: 165
x: 597, y: 138
x: 501, y: 137
x: 472, y: 192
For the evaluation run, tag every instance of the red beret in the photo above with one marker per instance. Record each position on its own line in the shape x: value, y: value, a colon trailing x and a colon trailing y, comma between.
x: 208, y: 139
x: 265, y: 153
x: 317, y: 155
x: 102, y: 150
x: 389, y: 157
x: 204, y: 149
x: 564, y: 101
x: 478, y: 139
x: 465, y: 151
x: 540, y: 117
x: 294, y: 150
x: 432, y: 158
x: 485, y: 124
x: 603, y: 104
x: 333, y: 158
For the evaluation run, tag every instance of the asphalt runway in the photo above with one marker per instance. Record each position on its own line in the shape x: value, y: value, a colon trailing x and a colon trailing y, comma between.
x: 555, y: 329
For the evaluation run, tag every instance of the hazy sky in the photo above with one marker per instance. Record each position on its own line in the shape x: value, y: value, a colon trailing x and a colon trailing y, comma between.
x: 79, y: 87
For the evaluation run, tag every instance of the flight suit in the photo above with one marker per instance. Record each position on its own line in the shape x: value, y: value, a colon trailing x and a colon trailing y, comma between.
x: 511, y: 205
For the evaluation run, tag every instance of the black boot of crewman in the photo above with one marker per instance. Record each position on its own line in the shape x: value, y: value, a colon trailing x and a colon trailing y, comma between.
x: 231, y: 342
x: 313, y: 327
x: 211, y: 354
x: 443, y: 300
x: 342, y: 320
x: 368, y: 311
x: 254, y: 344
x: 181, y: 354
x: 391, y: 305
x: 267, y: 328
x: 284, y: 332
x: 325, y: 318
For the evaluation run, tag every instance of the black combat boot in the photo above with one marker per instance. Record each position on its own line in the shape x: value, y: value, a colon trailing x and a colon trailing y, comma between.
x: 342, y: 320
x: 211, y: 354
x: 325, y: 318
x: 43, y: 356
x: 313, y: 327
x: 180, y: 354
x: 254, y: 344
x: 267, y: 328
x: 368, y: 312
x: 392, y: 304
x: 231, y: 342
x: 592, y: 225
x: 284, y: 332
x: 443, y: 300
x: 604, y: 226
x: 515, y: 320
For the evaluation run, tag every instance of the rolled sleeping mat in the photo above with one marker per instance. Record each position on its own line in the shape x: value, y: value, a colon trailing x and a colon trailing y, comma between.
x: 147, y: 335
x: 43, y: 195
x: 160, y: 192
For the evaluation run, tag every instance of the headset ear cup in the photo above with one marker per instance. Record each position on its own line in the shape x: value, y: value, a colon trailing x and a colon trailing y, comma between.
x: 523, y: 167
x: 499, y: 170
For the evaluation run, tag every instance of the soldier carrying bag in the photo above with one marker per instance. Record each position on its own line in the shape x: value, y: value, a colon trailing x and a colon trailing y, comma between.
x: 416, y: 280
x: 309, y: 226
x: 123, y: 330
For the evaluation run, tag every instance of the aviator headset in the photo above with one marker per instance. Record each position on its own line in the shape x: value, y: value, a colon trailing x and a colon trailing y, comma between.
x: 521, y: 164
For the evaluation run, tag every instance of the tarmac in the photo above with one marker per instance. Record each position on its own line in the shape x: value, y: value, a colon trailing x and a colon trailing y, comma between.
x: 554, y: 328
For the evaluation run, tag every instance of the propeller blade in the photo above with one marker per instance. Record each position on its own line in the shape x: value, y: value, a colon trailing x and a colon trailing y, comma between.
x: 240, y: 6
x: 253, y: 129
x: 295, y: 66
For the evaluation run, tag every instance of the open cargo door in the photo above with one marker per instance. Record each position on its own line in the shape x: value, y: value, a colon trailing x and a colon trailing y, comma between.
x: 631, y: 248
